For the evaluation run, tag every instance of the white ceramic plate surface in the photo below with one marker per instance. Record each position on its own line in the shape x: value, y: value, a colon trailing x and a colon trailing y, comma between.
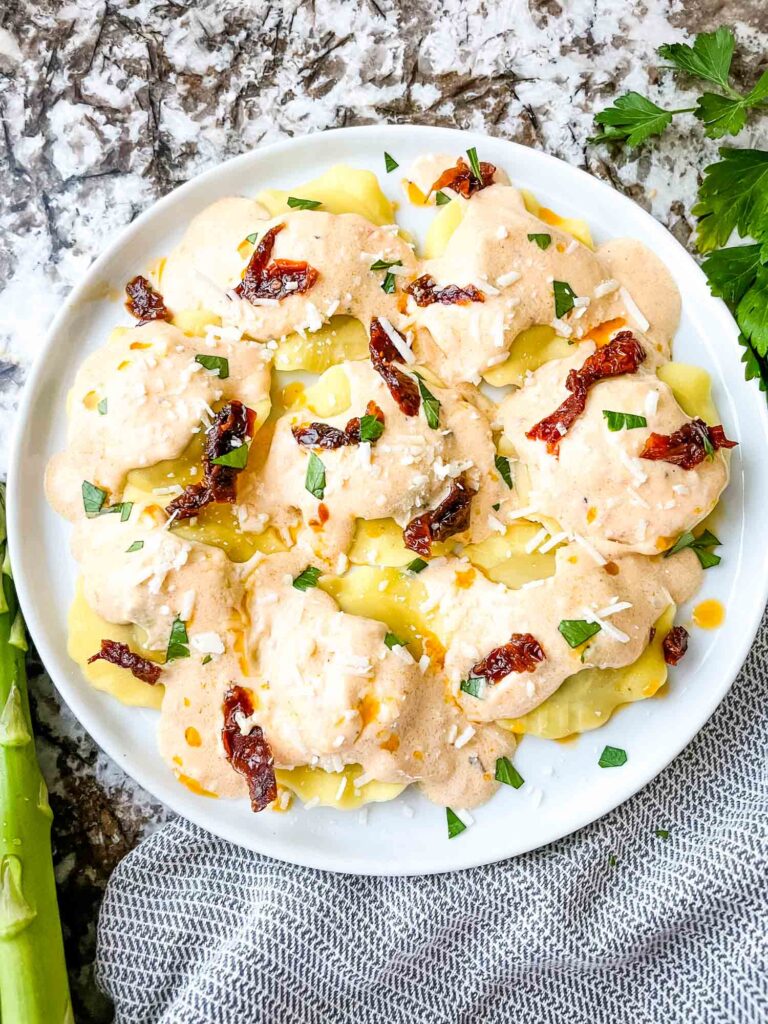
x: 577, y: 791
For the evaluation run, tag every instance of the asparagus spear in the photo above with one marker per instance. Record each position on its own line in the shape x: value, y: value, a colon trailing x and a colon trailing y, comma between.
x: 33, y: 976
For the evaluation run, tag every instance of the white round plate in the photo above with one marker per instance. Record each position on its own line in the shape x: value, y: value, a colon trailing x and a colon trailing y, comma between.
x: 576, y: 791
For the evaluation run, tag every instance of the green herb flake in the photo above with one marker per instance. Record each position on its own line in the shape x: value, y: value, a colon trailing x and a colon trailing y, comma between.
x: 564, y: 296
x: 307, y: 578
x: 371, y: 428
x: 315, y: 478
x: 417, y: 565
x: 216, y: 364
x: 178, y: 642
x: 504, y: 469
x: 393, y: 640
x: 93, y: 499
x: 102, y: 407
x: 662, y: 833
x: 388, y: 284
x: 612, y: 757
x: 235, y: 458
x: 496, y: 506
x: 430, y: 404
x: 303, y: 204
x: 623, y: 420
x: 612, y: 861
x: 386, y: 264
x: 577, y: 631
x: 507, y: 773
x: 390, y: 163
x: 206, y: 659
x: 474, y: 686
x: 253, y: 239
x: 455, y: 825
x: 136, y: 546
x: 543, y: 241
x: 701, y: 546
x: 474, y: 163
x: 441, y: 199
x: 125, y: 511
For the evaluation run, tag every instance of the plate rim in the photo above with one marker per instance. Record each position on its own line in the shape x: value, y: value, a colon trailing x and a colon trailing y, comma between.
x: 173, y: 795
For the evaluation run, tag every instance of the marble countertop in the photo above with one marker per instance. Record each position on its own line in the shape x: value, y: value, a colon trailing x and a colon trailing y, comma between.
x: 108, y: 107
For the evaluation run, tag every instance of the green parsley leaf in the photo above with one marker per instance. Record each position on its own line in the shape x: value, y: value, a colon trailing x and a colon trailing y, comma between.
x: 455, y: 825
x: 430, y: 404
x: 623, y: 420
x: 755, y: 365
x: 390, y: 163
x: 93, y: 499
x: 371, y: 428
x: 388, y: 284
x: 102, y: 407
x: 474, y: 163
x: 393, y: 640
x: 216, y: 364
x: 206, y: 659
x: 178, y: 642
x: 236, y: 458
x: 731, y: 272
x: 441, y: 199
x: 507, y: 773
x: 386, y: 264
x: 315, y: 478
x: 752, y: 313
x: 721, y: 115
x: 307, y: 578
x: 564, y: 296
x: 543, y: 241
x: 504, y: 469
x: 417, y: 565
x: 662, y: 833
x: 709, y: 58
x: 577, y: 631
x: 702, y: 547
x: 759, y: 92
x: 125, y: 511
x: 733, y: 196
x: 474, y: 686
x: 303, y: 204
x: 631, y: 119
x: 612, y: 757
x: 136, y: 546
x: 253, y: 239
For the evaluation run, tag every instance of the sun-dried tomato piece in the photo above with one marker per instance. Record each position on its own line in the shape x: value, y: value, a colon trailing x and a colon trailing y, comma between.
x: 233, y: 423
x: 403, y: 388
x: 323, y: 435
x: 522, y: 654
x: 622, y: 355
x: 275, y: 280
x: 463, y: 180
x: 251, y: 755
x: 425, y: 291
x: 144, y: 302
x: 688, y: 446
x: 449, y: 518
x: 675, y: 644
x: 121, y: 655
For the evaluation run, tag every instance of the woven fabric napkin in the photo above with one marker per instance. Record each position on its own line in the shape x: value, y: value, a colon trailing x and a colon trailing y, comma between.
x: 614, y: 923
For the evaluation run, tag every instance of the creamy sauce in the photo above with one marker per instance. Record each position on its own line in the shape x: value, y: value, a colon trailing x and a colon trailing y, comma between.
x: 357, y: 681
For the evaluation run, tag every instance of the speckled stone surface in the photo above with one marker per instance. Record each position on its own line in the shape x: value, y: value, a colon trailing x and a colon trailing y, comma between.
x: 108, y: 106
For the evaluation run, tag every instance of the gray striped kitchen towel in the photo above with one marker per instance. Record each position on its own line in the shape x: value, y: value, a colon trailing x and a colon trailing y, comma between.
x: 196, y: 931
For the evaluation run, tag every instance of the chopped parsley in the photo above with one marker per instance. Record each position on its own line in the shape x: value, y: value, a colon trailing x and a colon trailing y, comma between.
x: 474, y: 686
x: 307, y: 578
x: 702, y: 547
x: 388, y: 284
x: 386, y: 264
x: 612, y: 757
x: 496, y: 507
x: 93, y: 499
x: 564, y: 296
x: 507, y: 773
x: 178, y: 641
x: 303, y: 204
x: 253, y: 239
x: 315, y: 478
x: 474, y: 163
x: 102, y: 407
x: 417, y: 565
x: 542, y: 240
x: 390, y: 163
x: 504, y: 469
x: 216, y: 364
x: 393, y: 640
x: 430, y: 404
x: 371, y: 428
x: 662, y: 833
x: 136, y: 546
x: 206, y: 659
x: 235, y: 458
x: 441, y: 199
x: 623, y: 420
x: 455, y: 825
x: 126, y: 508
x: 575, y: 632
x: 612, y: 861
